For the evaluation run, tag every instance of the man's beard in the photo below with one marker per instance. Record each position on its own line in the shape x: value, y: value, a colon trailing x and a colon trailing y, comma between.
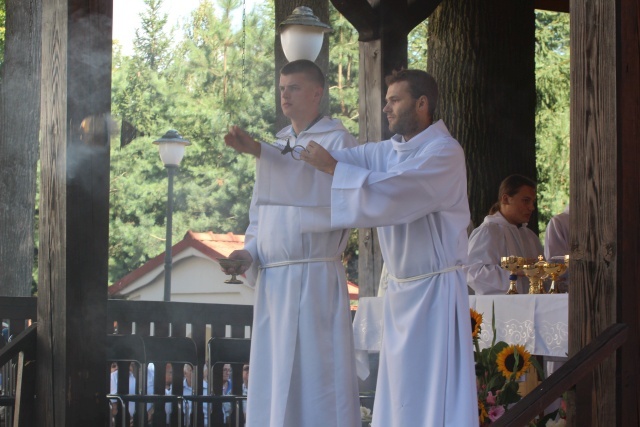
x: 406, y: 124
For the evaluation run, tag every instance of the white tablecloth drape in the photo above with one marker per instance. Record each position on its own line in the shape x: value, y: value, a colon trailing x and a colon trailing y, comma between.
x: 539, y: 322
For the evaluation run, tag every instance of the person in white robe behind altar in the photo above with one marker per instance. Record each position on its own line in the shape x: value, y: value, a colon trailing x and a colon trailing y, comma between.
x: 302, y: 349
x: 556, y: 238
x: 503, y: 232
x: 413, y: 187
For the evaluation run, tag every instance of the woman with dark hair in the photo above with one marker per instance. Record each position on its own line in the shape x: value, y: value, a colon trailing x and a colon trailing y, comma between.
x: 504, y: 232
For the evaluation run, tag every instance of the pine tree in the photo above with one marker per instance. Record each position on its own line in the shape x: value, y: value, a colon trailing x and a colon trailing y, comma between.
x: 552, y: 113
x: 200, y: 95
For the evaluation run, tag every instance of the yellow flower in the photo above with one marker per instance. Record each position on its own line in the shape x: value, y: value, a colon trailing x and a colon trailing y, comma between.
x: 506, y: 361
x: 482, y: 412
x: 476, y: 323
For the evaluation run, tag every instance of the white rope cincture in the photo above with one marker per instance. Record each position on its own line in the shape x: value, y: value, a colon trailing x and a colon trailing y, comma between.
x: 299, y: 261
x: 426, y: 275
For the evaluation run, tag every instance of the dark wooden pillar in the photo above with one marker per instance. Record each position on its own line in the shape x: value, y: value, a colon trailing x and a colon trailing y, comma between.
x: 74, y: 212
x: 605, y: 235
x: 383, y: 28
x: 628, y: 269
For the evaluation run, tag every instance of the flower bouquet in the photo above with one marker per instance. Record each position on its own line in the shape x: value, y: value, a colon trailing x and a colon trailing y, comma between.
x: 498, y: 368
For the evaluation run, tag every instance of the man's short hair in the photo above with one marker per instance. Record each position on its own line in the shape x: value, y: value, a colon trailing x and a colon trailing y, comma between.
x: 420, y: 83
x: 308, y: 68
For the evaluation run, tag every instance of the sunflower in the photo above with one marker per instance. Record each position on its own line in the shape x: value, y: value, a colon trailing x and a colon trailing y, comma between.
x: 476, y: 323
x: 482, y: 412
x: 506, y: 361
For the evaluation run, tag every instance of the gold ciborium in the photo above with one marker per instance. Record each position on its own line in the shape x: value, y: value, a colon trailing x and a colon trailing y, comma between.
x: 512, y: 264
x: 535, y: 272
x: 555, y: 270
x: 228, y: 264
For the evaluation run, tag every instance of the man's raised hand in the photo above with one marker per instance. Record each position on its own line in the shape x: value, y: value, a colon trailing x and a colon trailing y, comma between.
x: 316, y: 155
x: 242, y: 142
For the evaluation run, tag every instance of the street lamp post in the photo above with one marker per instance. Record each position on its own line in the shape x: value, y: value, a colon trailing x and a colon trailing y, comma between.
x: 171, y: 146
x: 301, y: 34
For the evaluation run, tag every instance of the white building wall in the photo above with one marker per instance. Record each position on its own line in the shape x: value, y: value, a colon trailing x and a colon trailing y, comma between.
x: 194, y: 278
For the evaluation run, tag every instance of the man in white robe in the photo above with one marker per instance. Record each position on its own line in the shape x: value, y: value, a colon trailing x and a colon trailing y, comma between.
x: 504, y: 232
x: 302, y: 352
x: 413, y: 188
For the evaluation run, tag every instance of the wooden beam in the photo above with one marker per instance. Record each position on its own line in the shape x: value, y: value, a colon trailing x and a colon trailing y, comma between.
x: 595, y: 202
x: 552, y: 5
x: 628, y: 108
x: 362, y: 15
x: 419, y: 10
x: 74, y: 212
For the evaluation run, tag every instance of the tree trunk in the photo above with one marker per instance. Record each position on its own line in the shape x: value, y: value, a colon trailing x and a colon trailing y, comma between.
x: 284, y: 8
x: 481, y: 53
x: 19, y: 125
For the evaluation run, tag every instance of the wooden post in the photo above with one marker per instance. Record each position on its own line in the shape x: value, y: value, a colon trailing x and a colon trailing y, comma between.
x: 605, y: 88
x: 74, y: 212
x: 628, y: 124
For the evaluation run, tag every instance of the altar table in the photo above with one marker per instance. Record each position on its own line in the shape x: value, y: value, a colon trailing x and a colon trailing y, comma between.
x: 539, y: 322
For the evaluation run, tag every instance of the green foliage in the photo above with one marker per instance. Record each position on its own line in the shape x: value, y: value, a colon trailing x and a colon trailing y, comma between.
x: 218, y: 73
x: 417, y: 46
x: 215, y: 76
x: 552, y: 113
x: 343, y: 71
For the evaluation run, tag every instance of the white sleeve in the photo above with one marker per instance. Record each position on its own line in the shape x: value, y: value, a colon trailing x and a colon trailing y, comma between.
x: 250, y: 238
x: 556, y: 242
x: 432, y: 181
x: 484, y: 274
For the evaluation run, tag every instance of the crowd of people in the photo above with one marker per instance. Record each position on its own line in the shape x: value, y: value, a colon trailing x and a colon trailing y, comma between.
x: 314, y: 184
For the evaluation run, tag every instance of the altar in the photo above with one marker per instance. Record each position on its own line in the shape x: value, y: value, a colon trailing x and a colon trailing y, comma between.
x: 538, y: 322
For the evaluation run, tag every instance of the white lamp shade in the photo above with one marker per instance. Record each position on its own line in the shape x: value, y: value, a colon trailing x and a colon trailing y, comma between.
x: 171, y: 153
x: 301, y: 42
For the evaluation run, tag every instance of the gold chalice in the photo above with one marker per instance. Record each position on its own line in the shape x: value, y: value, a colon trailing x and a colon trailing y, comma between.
x: 228, y: 264
x: 512, y: 264
x: 535, y: 272
x: 554, y: 269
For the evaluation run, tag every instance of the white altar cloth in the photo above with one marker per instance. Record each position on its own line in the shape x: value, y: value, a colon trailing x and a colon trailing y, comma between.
x: 539, y: 322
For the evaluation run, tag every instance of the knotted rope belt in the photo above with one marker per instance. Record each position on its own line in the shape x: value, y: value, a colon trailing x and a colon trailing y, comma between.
x: 426, y: 275
x: 299, y: 261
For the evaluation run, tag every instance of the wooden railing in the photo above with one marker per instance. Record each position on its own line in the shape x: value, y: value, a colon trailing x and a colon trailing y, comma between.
x: 567, y: 376
x: 18, y: 360
x: 176, y: 319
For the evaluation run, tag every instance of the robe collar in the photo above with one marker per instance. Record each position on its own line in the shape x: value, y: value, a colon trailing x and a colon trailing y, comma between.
x: 325, y: 124
x: 434, y: 132
x: 497, y: 218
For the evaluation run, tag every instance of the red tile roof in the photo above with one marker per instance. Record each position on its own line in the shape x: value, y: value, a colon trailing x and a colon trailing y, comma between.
x: 210, y: 244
